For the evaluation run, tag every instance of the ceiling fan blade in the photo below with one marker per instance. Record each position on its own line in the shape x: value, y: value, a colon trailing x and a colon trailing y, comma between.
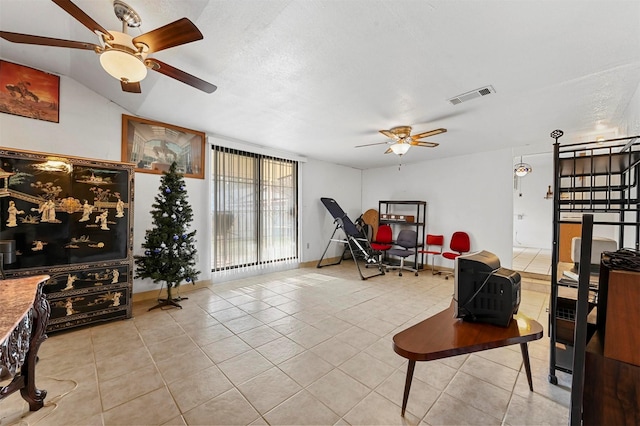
x: 179, y: 75
x: 390, y: 135
x: 429, y: 133
x: 82, y: 17
x: 131, y: 87
x: 427, y: 144
x: 179, y: 32
x: 388, y: 151
x: 46, y: 41
x: 371, y: 144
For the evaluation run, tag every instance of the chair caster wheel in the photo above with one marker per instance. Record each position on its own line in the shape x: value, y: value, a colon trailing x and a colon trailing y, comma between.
x: 446, y: 278
x: 400, y: 274
x: 416, y: 274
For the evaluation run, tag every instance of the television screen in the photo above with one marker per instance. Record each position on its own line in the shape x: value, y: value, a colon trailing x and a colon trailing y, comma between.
x: 484, y: 291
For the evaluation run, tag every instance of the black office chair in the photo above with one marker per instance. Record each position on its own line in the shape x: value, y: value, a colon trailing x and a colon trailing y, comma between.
x: 407, y: 240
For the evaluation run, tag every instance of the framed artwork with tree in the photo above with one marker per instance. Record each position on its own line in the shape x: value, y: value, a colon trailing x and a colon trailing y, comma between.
x: 153, y: 146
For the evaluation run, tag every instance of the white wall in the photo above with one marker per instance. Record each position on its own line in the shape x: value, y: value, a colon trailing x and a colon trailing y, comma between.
x: 316, y: 179
x: 471, y: 193
x: 631, y: 124
x: 533, y: 214
x: 147, y: 187
x: 631, y: 127
x: 320, y: 179
x: 90, y: 126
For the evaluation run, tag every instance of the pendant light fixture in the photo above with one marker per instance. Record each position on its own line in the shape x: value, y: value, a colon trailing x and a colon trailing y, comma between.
x: 522, y: 169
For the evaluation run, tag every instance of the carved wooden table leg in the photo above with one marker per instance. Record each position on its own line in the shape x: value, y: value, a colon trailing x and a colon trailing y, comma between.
x: 35, y: 397
x: 23, y: 323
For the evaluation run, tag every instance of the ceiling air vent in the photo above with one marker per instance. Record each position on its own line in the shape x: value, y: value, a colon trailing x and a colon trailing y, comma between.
x: 483, y: 91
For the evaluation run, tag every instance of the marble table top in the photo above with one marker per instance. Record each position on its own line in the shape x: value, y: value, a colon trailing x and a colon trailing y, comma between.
x: 16, y: 298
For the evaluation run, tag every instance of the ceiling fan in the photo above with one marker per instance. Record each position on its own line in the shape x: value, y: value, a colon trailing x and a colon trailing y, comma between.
x: 121, y: 55
x: 401, y: 139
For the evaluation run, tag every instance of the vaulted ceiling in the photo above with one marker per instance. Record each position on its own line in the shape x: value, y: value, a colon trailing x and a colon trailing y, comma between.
x: 318, y: 77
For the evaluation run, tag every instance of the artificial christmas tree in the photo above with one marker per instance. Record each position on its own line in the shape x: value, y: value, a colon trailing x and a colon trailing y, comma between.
x: 169, y: 255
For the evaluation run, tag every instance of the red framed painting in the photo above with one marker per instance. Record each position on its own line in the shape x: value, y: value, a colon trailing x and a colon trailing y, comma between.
x: 29, y: 92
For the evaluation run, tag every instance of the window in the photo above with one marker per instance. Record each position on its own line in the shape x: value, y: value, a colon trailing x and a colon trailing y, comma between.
x: 255, y: 209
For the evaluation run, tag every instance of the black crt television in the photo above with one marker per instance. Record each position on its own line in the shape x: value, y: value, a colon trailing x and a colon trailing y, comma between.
x: 483, y: 291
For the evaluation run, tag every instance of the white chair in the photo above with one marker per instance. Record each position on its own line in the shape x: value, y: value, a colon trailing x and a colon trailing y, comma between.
x: 598, y: 245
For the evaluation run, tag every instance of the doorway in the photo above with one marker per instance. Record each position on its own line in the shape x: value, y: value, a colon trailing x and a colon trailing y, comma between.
x: 533, y: 215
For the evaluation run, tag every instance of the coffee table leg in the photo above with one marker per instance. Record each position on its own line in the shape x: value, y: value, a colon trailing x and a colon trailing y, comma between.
x: 527, y: 367
x: 407, y: 385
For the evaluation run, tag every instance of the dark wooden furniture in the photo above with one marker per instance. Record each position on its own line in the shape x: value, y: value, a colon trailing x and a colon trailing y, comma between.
x: 567, y: 232
x: 612, y: 363
x: 443, y: 336
x: 622, y: 317
x: 611, y: 388
x: 23, y: 320
x: 71, y: 218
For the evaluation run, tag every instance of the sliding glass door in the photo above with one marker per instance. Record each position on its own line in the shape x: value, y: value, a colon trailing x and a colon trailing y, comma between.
x: 255, y: 209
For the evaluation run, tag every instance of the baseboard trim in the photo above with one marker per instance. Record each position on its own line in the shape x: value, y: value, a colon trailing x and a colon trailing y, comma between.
x: 327, y: 262
x: 185, y: 288
x: 534, y: 282
x: 154, y: 294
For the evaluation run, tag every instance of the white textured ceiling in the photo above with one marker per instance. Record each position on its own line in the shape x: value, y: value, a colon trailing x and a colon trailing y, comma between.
x: 318, y: 77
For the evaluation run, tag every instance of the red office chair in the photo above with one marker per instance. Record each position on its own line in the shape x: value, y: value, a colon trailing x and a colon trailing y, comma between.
x: 460, y: 244
x: 383, y: 240
x: 433, y: 242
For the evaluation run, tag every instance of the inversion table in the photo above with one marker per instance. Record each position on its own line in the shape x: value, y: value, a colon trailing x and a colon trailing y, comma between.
x: 355, y: 241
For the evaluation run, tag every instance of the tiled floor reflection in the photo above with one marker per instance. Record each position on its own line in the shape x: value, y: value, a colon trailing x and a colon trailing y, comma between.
x: 533, y: 260
x: 306, y: 346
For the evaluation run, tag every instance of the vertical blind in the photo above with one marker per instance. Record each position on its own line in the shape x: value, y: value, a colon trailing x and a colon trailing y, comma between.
x: 255, y: 210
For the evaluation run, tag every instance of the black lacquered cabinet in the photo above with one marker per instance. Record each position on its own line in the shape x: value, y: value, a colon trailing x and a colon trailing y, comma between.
x: 72, y: 219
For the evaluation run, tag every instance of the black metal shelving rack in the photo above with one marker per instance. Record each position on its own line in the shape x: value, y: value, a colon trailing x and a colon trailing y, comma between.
x: 416, y: 208
x: 598, y: 179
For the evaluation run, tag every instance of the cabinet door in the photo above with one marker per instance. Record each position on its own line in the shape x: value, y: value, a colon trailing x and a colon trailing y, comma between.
x: 64, y: 212
x: 567, y: 232
x: 611, y: 389
x: 622, y: 337
x: 90, y: 307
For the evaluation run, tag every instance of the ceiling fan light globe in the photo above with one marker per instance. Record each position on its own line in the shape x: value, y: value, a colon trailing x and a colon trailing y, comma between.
x: 400, y: 148
x: 123, y: 66
x: 522, y: 169
x: 121, y: 59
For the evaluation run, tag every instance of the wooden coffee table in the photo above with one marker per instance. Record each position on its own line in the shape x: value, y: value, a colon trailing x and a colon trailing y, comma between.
x: 443, y: 336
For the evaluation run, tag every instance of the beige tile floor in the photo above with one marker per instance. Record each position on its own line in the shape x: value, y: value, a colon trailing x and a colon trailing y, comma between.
x: 533, y: 260
x: 301, y: 347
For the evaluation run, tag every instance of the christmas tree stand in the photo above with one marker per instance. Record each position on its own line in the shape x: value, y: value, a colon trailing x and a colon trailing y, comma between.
x: 169, y: 301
